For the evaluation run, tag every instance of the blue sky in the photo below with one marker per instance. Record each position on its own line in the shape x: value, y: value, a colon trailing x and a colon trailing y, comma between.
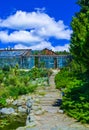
x: 36, y: 24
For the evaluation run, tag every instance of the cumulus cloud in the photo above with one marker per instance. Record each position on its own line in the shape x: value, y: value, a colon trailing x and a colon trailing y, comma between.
x: 19, y: 36
x: 33, y: 28
x: 39, y: 46
x: 43, y: 45
x: 40, y: 22
x: 61, y: 48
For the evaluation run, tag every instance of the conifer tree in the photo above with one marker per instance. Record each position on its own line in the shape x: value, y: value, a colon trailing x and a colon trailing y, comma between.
x: 79, y: 46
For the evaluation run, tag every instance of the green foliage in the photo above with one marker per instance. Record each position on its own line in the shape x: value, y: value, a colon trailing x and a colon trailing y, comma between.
x: 2, y: 102
x: 76, y: 94
x: 76, y: 101
x: 6, y: 68
x: 79, y: 46
x: 31, y: 88
x: 20, y: 90
x: 3, y: 123
x: 75, y: 81
x: 62, y: 52
x: 63, y: 78
x: 15, y: 82
x: 39, y: 72
x: 84, y: 4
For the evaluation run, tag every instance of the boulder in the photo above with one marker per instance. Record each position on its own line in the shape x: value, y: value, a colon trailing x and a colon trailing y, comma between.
x: 7, y: 111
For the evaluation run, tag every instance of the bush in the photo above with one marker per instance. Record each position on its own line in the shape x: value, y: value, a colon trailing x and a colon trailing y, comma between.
x: 31, y: 88
x: 6, y: 68
x: 13, y: 91
x: 76, y: 94
x: 62, y: 79
x: 3, y: 102
x: 14, y: 82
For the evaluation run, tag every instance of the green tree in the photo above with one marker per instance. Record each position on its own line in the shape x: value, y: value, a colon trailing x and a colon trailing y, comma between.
x: 84, y: 4
x: 79, y: 46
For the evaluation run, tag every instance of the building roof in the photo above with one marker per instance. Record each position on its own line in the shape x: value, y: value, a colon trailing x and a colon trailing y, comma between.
x: 27, y: 52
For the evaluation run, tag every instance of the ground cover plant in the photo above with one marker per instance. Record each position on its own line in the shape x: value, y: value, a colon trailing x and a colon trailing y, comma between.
x: 15, y: 82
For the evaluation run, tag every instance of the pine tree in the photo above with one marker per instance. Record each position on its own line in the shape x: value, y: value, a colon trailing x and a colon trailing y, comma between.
x: 79, y: 46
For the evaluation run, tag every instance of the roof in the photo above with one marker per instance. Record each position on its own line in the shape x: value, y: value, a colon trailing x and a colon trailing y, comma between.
x: 14, y: 52
x: 27, y: 52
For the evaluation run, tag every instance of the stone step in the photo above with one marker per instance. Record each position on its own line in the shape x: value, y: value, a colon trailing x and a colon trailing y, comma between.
x: 46, y: 102
x: 51, y: 98
x: 50, y: 90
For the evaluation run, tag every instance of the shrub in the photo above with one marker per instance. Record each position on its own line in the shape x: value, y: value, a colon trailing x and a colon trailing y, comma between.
x: 76, y: 94
x: 31, y: 88
x: 13, y: 91
x: 14, y: 82
x: 3, y: 102
x: 6, y: 68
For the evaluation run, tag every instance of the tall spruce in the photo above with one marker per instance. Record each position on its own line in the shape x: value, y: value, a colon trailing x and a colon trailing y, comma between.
x: 79, y: 46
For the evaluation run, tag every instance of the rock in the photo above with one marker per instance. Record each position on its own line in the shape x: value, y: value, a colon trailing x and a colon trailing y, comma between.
x: 9, y: 101
x: 32, y: 119
x: 28, y: 110
x: 35, y: 128
x: 7, y: 111
x: 29, y: 104
x: 21, y: 109
x: 18, y: 102
x: 20, y: 128
x: 61, y: 111
x: 27, y: 128
x: 14, y: 103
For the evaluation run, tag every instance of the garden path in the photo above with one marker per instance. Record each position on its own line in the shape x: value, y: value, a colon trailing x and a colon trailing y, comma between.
x: 46, y: 113
x: 53, y: 118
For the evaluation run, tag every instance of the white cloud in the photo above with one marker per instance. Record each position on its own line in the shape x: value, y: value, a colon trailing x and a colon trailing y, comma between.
x: 43, y: 45
x: 33, y: 30
x: 39, y: 46
x: 61, y: 48
x: 19, y: 36
x: 41, y: 24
